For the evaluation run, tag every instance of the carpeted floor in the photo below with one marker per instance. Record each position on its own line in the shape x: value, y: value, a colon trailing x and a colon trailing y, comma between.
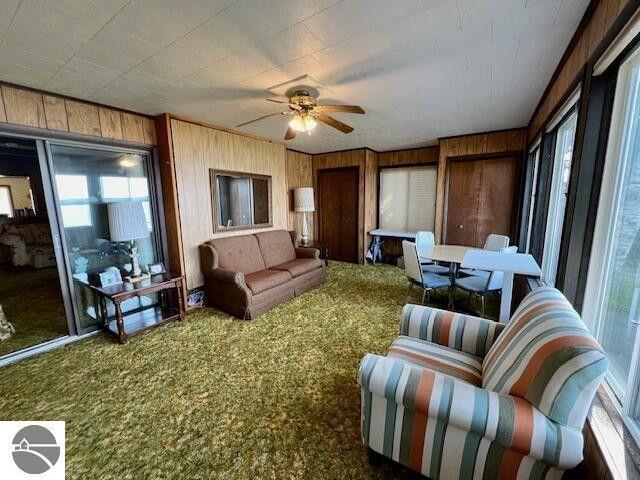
x: 32, y: 302
x: 216, y: 397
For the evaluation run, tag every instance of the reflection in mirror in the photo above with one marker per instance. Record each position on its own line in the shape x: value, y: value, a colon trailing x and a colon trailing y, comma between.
x: 240, y: 200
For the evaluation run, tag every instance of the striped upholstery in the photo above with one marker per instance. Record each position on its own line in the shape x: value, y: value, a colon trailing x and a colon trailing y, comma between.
x: 466, y: 333
x: 430, y: 404
x: 437, y: 358
x: 547, y: 355
x: 446, y: 428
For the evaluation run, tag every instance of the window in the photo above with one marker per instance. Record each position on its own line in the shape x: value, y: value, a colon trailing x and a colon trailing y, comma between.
x: 534, y: 158
x: 561, y: 172
x: 127, y: 188
x: 408, y: 198
x: 240, y: 200
x: 73, y: 192
x: 612, y: 295
x: 6, y: 205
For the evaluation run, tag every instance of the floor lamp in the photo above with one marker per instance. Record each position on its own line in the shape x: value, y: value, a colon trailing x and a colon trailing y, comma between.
x: 303, y: 201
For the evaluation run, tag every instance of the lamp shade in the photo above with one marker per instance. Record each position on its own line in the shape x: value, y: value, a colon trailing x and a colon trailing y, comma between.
x: 127, y: 221
x: 303, y: 199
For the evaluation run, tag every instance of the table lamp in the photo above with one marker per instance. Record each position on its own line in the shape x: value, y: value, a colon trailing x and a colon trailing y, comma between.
x: 303, y: 202
x: 127, y: 223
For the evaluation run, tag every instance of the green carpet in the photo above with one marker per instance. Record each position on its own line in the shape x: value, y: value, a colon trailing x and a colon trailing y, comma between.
x: 32, y: 302
x: 216, y: 397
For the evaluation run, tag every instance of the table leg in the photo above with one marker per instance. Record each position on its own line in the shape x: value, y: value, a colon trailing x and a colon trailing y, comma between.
x: 505, y: 301
x: 452, y: 280
x: 180, y: 301
x: 122, y: 335
x: 103, y: 310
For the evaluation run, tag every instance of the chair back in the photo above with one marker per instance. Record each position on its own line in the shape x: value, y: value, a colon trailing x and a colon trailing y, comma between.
x: 425, y: 241
x: 547, y: 355
x: 496, y: 278
x: 411, y: 263
x: 495, y: 242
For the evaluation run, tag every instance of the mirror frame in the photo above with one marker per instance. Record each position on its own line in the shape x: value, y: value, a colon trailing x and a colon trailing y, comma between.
x: 213, y: 181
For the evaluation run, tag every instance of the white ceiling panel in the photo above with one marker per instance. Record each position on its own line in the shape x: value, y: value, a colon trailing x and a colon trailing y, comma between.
x: 420, y: 68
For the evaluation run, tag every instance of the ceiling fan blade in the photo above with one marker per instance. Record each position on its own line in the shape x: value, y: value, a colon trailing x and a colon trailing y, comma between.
x: 260, y: 118
x: 343, y: 127
x: 275, y: 100
x: 291, y: 133
x: 340, y: 108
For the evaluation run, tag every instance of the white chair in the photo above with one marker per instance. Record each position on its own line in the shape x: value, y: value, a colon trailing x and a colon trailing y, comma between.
x: 495, y: 243
x: 425, y: 241
x: 480, y: 285
x: 426, y: 280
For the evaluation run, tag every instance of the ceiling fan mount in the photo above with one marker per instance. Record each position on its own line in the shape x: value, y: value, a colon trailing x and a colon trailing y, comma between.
x: 303, y: 105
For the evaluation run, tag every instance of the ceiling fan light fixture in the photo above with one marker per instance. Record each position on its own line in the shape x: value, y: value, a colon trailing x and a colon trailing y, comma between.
x: 303, y: 123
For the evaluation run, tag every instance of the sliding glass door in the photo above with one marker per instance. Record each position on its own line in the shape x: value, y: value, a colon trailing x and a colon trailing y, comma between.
x: 87, y: 180
x: 612, y: 300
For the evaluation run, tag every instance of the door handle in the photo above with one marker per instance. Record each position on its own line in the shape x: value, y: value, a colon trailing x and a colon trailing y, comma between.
x: 460, y: 226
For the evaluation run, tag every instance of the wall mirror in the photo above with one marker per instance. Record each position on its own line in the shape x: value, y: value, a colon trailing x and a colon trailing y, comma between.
x: 240, y: 200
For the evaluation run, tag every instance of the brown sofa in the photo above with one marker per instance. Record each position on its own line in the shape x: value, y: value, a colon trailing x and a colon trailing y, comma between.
x: 250, y: 274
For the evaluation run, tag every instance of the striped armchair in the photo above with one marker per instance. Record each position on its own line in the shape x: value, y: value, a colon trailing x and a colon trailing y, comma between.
x: 461, y: 397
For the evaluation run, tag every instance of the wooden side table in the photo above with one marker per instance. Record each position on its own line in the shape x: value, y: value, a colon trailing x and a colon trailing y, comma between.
x: 126, y: 325
x: 324, y: 249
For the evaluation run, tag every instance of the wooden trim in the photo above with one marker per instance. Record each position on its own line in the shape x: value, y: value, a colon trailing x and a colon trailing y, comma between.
x: 169, y: 185
x: 488, y: 132
x: 223, y: 129
x: 407, y: 149
x: 213, y: 174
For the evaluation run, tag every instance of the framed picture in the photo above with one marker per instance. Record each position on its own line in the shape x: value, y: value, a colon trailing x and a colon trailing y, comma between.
x: 111, y: 276
x: 156, y: 269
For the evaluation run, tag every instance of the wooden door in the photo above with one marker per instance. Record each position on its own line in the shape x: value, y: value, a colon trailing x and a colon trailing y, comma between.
x: 338, y: 212
x: 463, y: 200
x: 479, y: 200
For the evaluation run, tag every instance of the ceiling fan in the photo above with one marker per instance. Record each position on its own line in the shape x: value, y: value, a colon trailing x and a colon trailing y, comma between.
x: 303, y: 105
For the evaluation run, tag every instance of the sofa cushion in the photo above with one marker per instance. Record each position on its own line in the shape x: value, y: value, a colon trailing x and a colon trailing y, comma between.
x: 263, y: 280
x: 438, y: 358
x: 239, y: 254
x: 276, y: 247
x: 299, y: 266
x: 547, y: 355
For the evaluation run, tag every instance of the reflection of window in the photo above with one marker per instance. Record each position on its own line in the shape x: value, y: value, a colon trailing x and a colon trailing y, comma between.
x: 6, y: 207
x: 612, y: 295
x: 127, y: 188
x: 74, y: 200
x: 408, y: 198
x: 558, y: 197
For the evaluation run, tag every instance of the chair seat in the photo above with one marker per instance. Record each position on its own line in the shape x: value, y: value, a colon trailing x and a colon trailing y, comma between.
x: 433, y: 268
x: 263, y: 280
x: 299, y: 266
x: 438, y: 358
x: 472, y: 284
x: 431, y: 280
x: 475, y: 273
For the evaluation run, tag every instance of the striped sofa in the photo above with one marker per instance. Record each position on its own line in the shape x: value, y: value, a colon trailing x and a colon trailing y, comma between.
x: 461, y: 397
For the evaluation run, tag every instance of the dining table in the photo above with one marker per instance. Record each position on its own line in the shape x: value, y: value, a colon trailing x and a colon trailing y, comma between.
x: 451, y: 254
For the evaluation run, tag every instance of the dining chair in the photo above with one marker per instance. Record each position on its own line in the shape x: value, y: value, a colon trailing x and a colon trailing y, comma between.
x: 425, y: 241
x: 480, y: 285
x: 426, y: 280
x: 493, y: 242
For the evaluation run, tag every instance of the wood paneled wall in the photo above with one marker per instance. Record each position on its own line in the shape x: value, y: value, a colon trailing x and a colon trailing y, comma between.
x: 196, y: 150
x: 409, y: 157
x: 469, y: 145
x: 30, y: 108
x: 299, y: 173
x: 590, y: 33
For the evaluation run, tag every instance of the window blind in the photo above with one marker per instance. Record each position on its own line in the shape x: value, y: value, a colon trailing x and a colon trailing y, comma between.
x: 408, y: 198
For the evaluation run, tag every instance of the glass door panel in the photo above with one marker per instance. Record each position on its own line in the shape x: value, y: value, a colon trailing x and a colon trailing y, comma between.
x: 88, y: 180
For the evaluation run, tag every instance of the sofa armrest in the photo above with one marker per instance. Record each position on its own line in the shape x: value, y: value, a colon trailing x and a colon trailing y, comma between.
x: 466, y: 333
x: 505, y: 420
x: 227, y: 276
x: 307, y: 252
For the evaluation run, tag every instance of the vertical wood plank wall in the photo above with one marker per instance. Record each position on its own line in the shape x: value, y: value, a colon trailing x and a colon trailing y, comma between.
x: 299, y: 174
x: 30, y: 108
x: 469, y: 145
x: 577, y: 55
x: 198, y: 148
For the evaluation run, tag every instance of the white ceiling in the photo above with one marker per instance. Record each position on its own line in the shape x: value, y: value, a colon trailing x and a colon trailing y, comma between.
x: 421, y: 69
